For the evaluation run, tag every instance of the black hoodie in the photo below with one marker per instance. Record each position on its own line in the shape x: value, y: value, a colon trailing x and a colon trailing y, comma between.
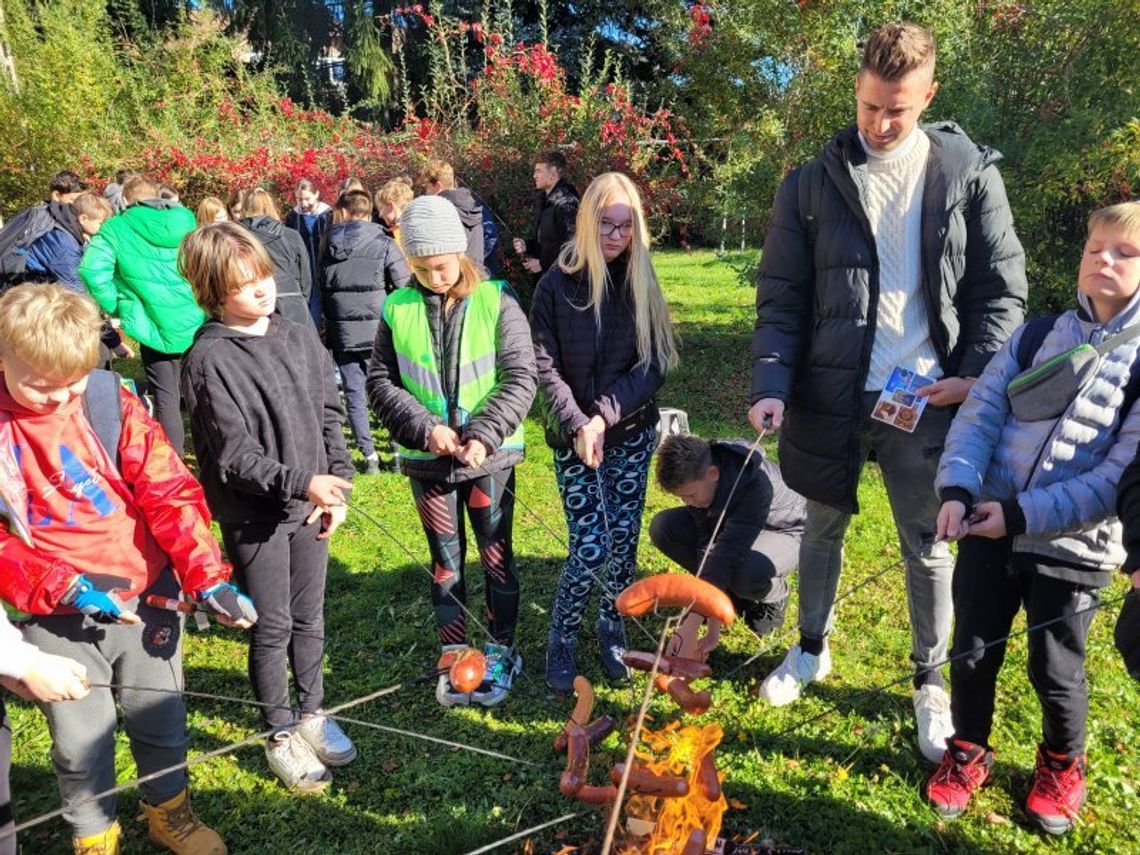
x: 291, y: 269
x: 471, y: 215
x: 266, y: 417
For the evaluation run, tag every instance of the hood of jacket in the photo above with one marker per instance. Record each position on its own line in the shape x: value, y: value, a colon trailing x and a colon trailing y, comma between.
x: 347, y: 239
x: 267, y: 228
x: 64, y: 216
x: 470, y: 209
x: 318, y: 210
x: 163, y: 226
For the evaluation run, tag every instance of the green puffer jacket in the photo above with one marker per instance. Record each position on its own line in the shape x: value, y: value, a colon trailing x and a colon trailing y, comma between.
x: 130, y: 268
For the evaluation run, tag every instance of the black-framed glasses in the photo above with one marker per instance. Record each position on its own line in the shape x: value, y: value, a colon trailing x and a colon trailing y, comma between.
x: 623, y: 229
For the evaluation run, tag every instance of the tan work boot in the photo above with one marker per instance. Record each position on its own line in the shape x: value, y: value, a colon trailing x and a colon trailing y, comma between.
x: 106, y: 842
x: 174, y: 826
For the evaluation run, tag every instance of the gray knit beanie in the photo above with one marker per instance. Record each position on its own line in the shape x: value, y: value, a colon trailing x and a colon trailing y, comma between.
x: 430, y: 225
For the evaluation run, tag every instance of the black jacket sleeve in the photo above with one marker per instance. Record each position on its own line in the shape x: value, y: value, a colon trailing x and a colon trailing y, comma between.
x: 631, y: 391
x: 304, y: 269
x: 397, y: 274
x: 994, y: 288
x: 1128, y: 509
x: 784, y: 284
x: 742, y: 525
x: 409, y: 421
x: 559, y: 397
x: 332, y: 428
x: 505, y: 408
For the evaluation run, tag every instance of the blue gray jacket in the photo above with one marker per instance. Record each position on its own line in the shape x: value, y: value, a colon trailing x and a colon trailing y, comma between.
x: 1061, y: 473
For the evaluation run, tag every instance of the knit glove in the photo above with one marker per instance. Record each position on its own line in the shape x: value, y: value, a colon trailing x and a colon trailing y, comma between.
x: 227, y: 602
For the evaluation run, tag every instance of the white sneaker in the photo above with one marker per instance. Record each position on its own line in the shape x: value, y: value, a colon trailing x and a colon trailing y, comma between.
x: 935, y: 727
x: 445, y: 693
x: 784, y: 685
x: 293, y: 761
x: 331, y: 744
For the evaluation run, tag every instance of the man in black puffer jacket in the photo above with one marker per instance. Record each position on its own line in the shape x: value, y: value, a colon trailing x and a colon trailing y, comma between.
x: 894, y: 247
x: 555, y: 214
x: 360, y: 266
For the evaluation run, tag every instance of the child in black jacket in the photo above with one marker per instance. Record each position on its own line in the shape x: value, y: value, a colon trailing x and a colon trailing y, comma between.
x: 268, y: 435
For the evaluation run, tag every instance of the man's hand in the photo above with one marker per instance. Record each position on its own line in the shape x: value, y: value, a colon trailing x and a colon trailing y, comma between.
x: 443, y: 440
x: 102, y: 607
x: 952, y: 524
x: 589, y: 442
x: 328, y: 490
x: 229, y: 604
x: 50, y: 679
x: 767, y: 414
x: 472, y: 453
x: 947, y: 391
x: 988, y: 521
x: 520, y: 246
x: 533, y: 265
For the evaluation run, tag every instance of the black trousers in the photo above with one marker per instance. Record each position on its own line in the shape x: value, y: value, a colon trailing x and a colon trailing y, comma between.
x: 761, y: 577
x: 282, y: 566
x: 163, y: 376
x: 990, y: 585
x: 7, y: 844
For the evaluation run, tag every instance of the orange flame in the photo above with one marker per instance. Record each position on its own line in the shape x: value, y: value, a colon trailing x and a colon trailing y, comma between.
x: 678, y: 751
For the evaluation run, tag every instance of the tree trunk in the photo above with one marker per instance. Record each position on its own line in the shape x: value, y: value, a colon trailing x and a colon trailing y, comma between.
x: 6, y: 60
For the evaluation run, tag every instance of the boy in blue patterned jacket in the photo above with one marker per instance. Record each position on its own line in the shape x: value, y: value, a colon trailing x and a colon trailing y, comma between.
x: 1028, y: 483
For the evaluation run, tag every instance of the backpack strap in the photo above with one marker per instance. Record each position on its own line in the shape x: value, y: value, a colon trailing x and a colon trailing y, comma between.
x: 1032, y: 337
x: 104, y: 409
x: 810, y: 197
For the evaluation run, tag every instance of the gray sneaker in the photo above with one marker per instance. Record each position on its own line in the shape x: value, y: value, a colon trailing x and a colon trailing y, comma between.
x: 293, y: 761
x: 331, y: 745
x: 445, y: 693
x: 503, y: 665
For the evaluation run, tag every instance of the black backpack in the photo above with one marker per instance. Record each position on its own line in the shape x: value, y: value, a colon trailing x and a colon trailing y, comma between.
x: 18, y: 234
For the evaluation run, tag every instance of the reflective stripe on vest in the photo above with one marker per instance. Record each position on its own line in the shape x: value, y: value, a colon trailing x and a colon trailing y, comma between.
x: 406, y: 315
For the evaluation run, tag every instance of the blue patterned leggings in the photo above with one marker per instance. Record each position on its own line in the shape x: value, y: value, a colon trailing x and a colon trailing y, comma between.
x: 603, y: 514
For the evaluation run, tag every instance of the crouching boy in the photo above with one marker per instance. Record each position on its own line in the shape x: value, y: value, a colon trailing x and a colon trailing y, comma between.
x: 101, y: 514
x: 1028, y: 480
x: 758, y: 543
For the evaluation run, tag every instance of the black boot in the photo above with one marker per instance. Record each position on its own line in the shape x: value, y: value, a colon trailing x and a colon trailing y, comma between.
x: 765, y: 617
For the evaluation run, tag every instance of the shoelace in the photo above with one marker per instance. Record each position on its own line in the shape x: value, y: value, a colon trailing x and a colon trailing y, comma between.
x: 181, y: 821
x: 1054, y: 783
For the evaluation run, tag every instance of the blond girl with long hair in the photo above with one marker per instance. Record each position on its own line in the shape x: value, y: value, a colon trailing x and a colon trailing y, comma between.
x: 603, y: 341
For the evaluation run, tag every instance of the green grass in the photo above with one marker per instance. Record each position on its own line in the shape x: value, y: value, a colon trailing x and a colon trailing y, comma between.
x: 850, y: 782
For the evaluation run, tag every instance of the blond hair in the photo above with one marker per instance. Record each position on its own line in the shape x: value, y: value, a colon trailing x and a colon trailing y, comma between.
x: 92, y: 205
x: 895, y: 50
x: 1124, y: 216
x: 258, y: 203
x: 583, y: 254
x: 208, y: 210
x: 50, y: 329
x: 437, y: 171
x: 218, y: 260
x: 137, y: 188
x: 469, y: 276
x: 397, y: 191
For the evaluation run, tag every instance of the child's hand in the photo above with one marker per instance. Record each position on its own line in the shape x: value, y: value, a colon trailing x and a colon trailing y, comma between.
x: 331, y: 520
x: 472, y: 453
x: 948, y: 390
x: 988, y: 521
x: 443, y: 440
x: 684, y: 640
x: 589, y: 442
x: 101, y: 606
x: 229, y: 604
x: 328, y: 490
x: 952, y: 524
x: 50, y: 679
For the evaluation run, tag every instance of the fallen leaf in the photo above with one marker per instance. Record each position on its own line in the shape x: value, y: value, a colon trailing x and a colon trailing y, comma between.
x: 737, y: 804
x: 791, y: 763
x: 994, y: 818
x: 390, y: 767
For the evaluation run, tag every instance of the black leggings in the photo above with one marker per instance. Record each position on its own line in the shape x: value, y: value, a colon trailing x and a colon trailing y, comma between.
x: 7, y: 844
x: 282, y: 567
x: 491, y: 508
x: 163, y: 375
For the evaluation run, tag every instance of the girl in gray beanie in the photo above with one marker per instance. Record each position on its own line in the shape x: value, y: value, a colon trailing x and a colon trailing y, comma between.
x: 452, y: 376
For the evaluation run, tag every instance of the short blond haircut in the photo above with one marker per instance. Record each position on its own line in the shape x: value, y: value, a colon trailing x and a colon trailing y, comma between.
x: 208, y: 210
x: 51, y: 330
x: 397, y: 191
x: 895, y: 50
x: 1124, y: 216
x: 437, y: 171
x: 217, y: 260
x: 138, y: 188
x: 258, y: 203
x: 92, y: 205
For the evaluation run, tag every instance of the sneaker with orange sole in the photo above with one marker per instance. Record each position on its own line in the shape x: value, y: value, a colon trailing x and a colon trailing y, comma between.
x: 965, y: 767
x: 1058, y: 790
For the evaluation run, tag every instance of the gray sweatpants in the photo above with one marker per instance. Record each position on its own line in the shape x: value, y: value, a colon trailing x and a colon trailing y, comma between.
x: 909, y: 462
x: 83, y: 732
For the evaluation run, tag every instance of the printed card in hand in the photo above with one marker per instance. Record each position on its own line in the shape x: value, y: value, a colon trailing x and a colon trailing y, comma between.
x: 899, y: 405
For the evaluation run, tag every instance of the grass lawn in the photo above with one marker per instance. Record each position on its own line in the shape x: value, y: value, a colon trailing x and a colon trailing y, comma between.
x: 848, y: 782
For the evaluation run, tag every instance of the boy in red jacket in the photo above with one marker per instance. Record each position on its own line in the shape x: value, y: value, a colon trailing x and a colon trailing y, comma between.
x: 92, y: 532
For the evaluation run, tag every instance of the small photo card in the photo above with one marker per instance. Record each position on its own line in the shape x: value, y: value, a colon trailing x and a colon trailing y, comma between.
x: 898, y: 405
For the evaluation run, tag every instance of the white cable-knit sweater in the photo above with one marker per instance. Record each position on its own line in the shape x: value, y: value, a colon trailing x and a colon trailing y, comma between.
x: 893, y: 199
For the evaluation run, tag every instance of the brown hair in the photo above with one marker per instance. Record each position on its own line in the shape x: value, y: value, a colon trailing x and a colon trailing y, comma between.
x: 1124, y: 216
x: 351, y: 183
x: 437, y: 171
x: 553, y: 158
x: 354, y: 204
x: 139, y: 187
x: 92, y: 205
x: 895, y: 50
x: 682, y: 460
x: 469, y: 277
x: 397, y: 191
x: 67, y: 182
x: 219, y: 259
x: 306, y: 184
x: 208, y: 210
x: 50, y: 329
x: 258, y: 203
x: 236, y: 200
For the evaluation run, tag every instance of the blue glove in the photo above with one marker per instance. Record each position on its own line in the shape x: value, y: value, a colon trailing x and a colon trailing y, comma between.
x: 228, y: 602
x: 103, y: 607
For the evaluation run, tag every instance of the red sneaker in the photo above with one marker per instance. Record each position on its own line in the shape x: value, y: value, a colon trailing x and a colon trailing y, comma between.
x: 965, y: 767
x: 1058, y: 790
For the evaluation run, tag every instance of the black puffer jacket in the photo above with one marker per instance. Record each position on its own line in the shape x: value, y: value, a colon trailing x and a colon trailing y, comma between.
x: 471, y: 215
x: 586, y: 371
x: 817, y: 295
x: 555, y: 214
x: 361, y: 265
x: 291, y: 269
x: 411, y: 423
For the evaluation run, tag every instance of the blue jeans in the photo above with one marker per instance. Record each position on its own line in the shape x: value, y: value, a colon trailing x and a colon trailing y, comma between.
x: 603, y: 515
x: 353, y: 370
x: 909, y: 462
